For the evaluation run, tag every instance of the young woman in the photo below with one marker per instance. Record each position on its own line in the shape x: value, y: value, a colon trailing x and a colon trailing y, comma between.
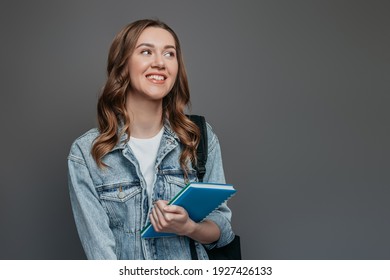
x: 122, y: 174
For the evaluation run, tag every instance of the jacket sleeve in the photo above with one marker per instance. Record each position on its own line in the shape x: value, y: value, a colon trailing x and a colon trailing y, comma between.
x: 91, y: 219
x: 215, y: 174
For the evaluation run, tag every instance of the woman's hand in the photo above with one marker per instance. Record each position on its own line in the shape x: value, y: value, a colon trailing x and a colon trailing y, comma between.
x: 175, y: 219
x: 171, y: 218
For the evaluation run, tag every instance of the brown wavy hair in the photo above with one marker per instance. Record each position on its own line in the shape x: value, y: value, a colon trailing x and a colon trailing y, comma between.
x: 111, y: 107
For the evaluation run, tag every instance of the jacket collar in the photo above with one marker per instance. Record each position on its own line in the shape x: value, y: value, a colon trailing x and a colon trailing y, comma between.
x: 123, y: 138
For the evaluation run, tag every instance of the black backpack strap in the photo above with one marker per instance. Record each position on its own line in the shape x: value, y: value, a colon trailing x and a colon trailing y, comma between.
x: 202, y: 149
x: 201, y: 154
x: 194, y: 255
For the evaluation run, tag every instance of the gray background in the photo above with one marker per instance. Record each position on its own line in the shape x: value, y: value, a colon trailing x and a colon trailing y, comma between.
x: 298, y: 92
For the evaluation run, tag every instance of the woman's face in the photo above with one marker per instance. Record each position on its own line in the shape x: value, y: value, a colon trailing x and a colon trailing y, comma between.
x: 153, y: 65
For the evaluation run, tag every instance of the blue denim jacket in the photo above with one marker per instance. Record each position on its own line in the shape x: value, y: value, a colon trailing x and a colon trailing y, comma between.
x: 110, y: 205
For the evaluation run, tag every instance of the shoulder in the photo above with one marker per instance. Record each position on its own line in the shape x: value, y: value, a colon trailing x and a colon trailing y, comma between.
x: 81, y: 147
x: 210, y: 131
x: 212, y: 137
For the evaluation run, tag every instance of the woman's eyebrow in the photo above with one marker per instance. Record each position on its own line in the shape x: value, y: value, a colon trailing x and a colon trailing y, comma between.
x: 152, y: 46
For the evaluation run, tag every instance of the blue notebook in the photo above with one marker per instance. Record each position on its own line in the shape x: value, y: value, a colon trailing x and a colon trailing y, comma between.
x: 199, y: 199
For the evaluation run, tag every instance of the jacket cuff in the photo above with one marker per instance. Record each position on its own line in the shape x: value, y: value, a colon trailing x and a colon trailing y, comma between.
x: 225, y: 228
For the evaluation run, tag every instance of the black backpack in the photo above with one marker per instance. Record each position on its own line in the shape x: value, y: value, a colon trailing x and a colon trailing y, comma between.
x: 231, y: 251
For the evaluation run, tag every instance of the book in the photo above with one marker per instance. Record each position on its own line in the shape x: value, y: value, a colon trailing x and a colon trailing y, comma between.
x: 199, y: 199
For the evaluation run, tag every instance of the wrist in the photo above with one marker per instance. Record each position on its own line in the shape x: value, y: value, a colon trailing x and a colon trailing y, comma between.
x: 191, y: 228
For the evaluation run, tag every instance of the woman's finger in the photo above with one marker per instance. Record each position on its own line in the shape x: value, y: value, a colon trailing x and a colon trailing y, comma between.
x: 154, y: 222
x: 174, y: 209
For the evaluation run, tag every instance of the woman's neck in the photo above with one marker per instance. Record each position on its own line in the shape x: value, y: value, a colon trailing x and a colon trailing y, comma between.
x: 145, y: 117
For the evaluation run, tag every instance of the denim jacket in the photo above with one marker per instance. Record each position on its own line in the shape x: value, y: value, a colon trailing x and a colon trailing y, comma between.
x: 111, y: 207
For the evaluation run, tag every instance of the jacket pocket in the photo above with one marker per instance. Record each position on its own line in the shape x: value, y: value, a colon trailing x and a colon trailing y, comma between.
x: 120, y: 192
x: 175, y: 182
x: 122, y: 202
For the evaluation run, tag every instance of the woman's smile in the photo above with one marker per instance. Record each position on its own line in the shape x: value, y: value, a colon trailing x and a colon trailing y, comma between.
x: 156, y: 78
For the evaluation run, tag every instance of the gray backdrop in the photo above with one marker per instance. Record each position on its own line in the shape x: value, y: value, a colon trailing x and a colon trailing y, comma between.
x: 298, y: 92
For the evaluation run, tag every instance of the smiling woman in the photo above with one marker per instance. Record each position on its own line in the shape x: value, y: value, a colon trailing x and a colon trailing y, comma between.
x: 143, y: 153
x: 152, y: 66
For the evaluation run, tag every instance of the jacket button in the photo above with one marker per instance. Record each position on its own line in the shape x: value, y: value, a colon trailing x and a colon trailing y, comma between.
x: 121, y: 195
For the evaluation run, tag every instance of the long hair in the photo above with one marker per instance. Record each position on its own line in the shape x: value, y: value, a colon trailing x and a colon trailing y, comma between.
x: 111, y: 107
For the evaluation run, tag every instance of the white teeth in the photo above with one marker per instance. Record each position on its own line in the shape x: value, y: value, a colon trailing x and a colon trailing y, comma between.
x: 156, y: 77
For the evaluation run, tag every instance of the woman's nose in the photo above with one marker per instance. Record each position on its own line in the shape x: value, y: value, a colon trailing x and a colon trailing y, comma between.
x: 158, y: 61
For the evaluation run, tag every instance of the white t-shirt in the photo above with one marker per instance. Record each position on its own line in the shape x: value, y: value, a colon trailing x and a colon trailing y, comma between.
x: 145, y: 150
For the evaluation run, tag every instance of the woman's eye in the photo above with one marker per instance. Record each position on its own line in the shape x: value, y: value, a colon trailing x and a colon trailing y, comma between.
x: 146, y: 52
x: 170, y: 54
